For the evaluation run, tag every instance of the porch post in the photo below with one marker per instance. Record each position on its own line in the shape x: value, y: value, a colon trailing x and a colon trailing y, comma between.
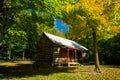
x: 68, y: 57
x: 82, y: 56
x: 75, y: 55
x: 68, y: 53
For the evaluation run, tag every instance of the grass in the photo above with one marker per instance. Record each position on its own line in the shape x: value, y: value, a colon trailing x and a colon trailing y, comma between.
x: 26, y: 70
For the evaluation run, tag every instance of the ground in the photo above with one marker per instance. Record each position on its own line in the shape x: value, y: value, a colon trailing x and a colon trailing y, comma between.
x: 26, y: 70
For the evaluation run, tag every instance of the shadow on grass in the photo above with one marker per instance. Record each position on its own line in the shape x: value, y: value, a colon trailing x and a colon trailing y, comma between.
x: 23, y: 70
x: 112, y: 66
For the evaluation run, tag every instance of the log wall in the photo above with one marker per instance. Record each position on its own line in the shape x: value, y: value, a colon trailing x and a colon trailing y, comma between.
x: 45, y: 51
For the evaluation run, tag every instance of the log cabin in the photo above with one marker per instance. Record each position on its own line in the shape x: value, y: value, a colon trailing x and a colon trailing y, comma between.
x: 55, y: 50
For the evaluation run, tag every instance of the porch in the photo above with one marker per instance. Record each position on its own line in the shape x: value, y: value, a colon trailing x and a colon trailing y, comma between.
x: 67, y: 56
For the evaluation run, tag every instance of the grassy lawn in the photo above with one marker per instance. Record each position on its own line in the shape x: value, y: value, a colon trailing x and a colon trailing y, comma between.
x: 26, y: 70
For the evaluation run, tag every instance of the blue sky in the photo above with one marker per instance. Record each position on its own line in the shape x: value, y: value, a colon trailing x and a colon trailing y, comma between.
x: 61, y: 25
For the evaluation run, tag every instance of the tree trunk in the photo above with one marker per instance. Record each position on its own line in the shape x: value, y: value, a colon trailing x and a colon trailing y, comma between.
x: 9, y: 54
x: 23, y: 57
x: 97, y: 67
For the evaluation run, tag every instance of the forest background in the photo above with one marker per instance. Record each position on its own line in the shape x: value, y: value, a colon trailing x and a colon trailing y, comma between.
x: 93, y: 24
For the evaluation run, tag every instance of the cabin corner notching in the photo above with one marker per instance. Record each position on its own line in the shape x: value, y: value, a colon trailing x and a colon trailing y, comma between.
x: 59, y: 51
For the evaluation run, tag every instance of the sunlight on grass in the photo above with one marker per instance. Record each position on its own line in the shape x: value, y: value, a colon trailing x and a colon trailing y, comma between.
x: 14, y: 63
x: 86, y: 72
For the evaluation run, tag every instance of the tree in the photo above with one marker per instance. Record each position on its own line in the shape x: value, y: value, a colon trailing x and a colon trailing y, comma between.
x: 29, y: 17
x: 15, y: 41
x: 91, y: 17
x: 4, y: 17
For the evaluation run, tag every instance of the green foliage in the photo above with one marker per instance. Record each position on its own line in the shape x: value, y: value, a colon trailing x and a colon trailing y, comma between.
x: 23, y: 21
x: 15, y: 40
x: 110, y: 52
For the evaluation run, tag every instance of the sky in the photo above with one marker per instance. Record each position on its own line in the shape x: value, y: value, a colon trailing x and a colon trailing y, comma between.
x: 61, y: 26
